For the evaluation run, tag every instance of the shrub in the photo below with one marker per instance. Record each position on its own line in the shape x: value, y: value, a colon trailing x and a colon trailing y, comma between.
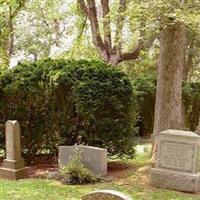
x: 68, y: 102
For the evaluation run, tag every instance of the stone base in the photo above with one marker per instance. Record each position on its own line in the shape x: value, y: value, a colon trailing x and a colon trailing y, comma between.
x: 12, y: 174
x: 186, y: 182
x: 13, y: 164
x: 13, y: 169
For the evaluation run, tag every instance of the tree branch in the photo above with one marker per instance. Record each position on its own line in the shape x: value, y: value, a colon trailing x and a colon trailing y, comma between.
x: 83, y: 6
x: 120, y: 23
x: 106, y: 25
x: 91, y: 12
x: 11, y: 33
x: 15, y: 12
x: 92, y: 15
x: 134, y: 54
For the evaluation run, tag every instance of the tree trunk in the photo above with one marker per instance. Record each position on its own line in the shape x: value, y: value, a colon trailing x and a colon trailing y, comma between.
x: 189, y: 61
x: 11, y: 34
x: 198, y: 128
x: 168, y: 107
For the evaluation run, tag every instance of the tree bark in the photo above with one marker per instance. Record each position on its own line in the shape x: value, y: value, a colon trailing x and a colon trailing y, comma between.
x: 11, y: 33
x: 189, y: 61
x: 111, y: 54
x: 106, y: 25
x: 198, y: 128
x: 168, y: 107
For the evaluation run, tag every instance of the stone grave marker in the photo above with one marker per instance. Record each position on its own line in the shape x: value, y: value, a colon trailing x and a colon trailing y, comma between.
x: 177, y: 163
x: 95, y: 159
x: 13, y: 166
x: 106, y: 195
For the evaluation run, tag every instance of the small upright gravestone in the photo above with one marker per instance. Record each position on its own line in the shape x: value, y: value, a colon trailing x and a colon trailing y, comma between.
x: 13, y: 166
x: 95, y: 159
x: 177, y: 164
x: 106, y: 195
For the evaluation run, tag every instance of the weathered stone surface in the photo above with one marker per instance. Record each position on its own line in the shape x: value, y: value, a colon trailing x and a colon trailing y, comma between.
x: 106, y: 195
x: 12, y: 174
x: 178, y: 150
x: 53, y: 175
x: 13, y: 140
x: 178, y: 161
x: 186, y: 182
x: 13, y: 166
x: 93, y: 158
x: 178, y: 156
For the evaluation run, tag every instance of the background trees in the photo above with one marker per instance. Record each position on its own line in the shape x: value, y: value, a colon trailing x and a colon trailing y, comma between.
x: 109, y: 40
x: 41, y: 26
x: 149, y: 40
x: 8, y: 12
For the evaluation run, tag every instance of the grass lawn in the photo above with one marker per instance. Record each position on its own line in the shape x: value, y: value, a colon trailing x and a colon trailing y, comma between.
x: 132, y: 181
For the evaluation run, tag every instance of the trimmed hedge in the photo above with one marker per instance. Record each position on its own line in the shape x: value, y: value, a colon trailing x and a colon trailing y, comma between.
x: 66, y: 102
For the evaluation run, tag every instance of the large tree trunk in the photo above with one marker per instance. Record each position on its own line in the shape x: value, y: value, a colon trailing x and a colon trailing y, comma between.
x: 168, y: 107
x: 198, y: 128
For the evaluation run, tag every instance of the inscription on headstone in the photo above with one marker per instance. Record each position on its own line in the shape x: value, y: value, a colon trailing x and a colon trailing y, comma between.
x: 178, y: 161
x: 179, y: 156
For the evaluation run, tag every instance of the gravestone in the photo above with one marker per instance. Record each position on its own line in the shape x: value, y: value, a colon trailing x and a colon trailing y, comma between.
x: 95, y: 159
x: 177, y: 163
x: 106, y: 195
x: 13, y: 166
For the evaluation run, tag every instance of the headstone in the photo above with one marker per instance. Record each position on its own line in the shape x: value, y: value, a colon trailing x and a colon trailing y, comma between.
x: 13, y: 166
x: 177, y: 164
x: 106, y: 195
x: 95, y: 159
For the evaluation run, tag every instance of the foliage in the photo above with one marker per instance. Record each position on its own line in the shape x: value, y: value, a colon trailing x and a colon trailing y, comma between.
x: 68, y: 102
x: 76, y: 173
x: 191, y: 95
x: 145, y: 87
x: 40, y: 28
x: 160, y: 13
x: 146, y: 94
x: 8, y: 12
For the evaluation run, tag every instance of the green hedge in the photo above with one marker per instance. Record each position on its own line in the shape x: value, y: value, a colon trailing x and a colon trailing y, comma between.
x: 65, y: 102
x: 145, y: 87
x: 191, y: 96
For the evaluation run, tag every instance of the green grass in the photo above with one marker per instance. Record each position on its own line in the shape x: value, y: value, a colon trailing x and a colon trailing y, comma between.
x: 133, y: 183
